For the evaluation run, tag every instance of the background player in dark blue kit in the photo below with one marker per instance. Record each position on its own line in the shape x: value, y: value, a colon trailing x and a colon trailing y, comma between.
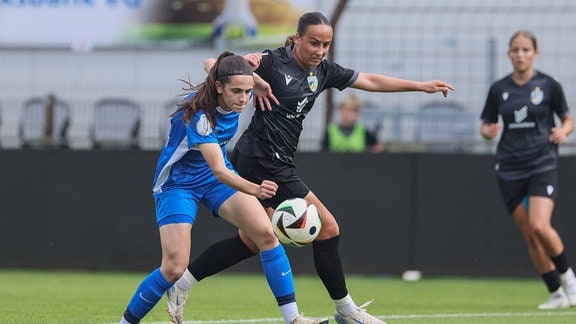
x: 193, y: 168
x: 296, y: 74
x: 527, y: 158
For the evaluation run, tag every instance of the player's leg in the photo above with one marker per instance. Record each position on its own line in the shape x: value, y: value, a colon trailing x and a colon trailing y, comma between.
x: 540, y: 214
x: 329, y: 268
x: 245, y: 212
x: 543, y: 191
x: 540, y: 260
x: 175, y: 240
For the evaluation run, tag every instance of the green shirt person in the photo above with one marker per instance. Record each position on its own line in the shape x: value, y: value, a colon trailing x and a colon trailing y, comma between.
x: 349, y: 134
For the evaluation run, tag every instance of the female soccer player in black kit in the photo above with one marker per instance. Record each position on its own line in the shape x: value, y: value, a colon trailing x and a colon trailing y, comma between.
x: 527, y: 158
x: 297, y: 74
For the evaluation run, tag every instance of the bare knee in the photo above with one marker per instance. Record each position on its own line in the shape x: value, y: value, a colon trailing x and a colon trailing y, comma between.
x: 329, y: 229
x: 265, y: 239
x: 172, y: 271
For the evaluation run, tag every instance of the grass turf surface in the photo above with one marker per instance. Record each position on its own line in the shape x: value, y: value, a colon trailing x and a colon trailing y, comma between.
x: 101, y: 297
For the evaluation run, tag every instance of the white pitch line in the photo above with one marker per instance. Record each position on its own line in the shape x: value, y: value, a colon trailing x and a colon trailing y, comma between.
x: 399, y: 316
x: 472, y: 315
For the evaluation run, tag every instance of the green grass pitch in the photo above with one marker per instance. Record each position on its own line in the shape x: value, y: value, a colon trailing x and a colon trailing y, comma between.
x: 100, y: 297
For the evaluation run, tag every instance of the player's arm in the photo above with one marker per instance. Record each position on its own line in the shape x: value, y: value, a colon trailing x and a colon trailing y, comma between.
x: 560, y: 134
x: 213, y: 156
x: 262, y: 90
x: 489, y: 130
x: 382, y: 83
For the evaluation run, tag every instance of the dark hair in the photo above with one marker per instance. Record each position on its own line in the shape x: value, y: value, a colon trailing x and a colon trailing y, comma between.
x: 306, y: 20
x: 524, y: 33
x: 228, y: 64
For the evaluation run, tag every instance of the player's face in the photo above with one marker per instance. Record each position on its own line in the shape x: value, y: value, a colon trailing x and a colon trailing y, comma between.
x: 311, y: 47
x: 234, y: 95
x: 522, y: 54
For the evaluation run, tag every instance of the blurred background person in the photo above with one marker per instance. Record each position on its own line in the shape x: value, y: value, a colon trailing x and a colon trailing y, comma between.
x: 527, y: 160
x: 349, y: 134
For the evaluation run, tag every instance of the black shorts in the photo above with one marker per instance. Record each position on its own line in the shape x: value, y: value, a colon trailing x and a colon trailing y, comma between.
x: 258, y: 169
x: 542, y: 184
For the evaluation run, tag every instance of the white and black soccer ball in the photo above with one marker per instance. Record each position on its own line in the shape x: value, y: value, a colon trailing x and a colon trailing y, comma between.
x: 296, y: 222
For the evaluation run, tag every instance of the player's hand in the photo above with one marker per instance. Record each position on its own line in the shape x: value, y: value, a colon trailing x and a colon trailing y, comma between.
x: 437, y: 86
x: 267, y: 189
x: 263, y: 94
x: 253, y: 59
x: 489, y: 131
x: 557, y: 136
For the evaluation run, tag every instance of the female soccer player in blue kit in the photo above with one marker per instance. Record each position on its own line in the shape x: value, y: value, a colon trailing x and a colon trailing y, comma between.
x: 527, y: 158
x: 193, y: 168
x: 296, y: 74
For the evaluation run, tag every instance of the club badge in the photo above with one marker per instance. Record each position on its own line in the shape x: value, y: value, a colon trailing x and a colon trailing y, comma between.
x: 203, y: 126
x: 536, y: 96
x: 312, y: 82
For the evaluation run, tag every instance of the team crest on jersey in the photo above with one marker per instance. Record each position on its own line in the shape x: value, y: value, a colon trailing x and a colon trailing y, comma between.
x: 505, y: 95
x: 536, y: 96
x: 312, y: 82
x: 203, y: 126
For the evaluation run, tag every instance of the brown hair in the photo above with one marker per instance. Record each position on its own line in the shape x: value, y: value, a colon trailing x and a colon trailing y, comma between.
x: 524, y: 33
x: 228, y: 64
x: 306, y: 20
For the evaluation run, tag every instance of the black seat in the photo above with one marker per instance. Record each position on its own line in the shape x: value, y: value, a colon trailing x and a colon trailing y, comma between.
x: 116, y: 124
x: 37, y: 129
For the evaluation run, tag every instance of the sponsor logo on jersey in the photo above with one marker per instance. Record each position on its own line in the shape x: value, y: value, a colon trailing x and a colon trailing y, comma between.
x: 301, y: 104
x: 312, y: 82
x: 505, y: 95
x: 519, y: 116
x: 536, y: 96
x: 203, y: 126
x: 288, y: 78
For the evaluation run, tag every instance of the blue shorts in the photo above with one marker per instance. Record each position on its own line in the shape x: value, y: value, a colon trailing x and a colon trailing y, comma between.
x: 181, y: 205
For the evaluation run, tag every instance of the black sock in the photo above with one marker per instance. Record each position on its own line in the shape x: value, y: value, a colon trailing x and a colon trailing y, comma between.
x: 130, y: 318
x: 561, y: 262
x: 552, y: 280
x: 329, y: 267
x: 219, y: 256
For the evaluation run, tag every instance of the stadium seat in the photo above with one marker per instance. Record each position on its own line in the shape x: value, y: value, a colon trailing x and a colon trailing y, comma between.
x: 37, y: 129
x: 170, y: 107
x: 116, y: 124
x: 446, y: 126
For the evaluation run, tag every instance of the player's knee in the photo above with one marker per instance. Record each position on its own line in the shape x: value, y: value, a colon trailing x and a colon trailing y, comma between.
x: 328, y: 230
x: 173, y: 270
x: 265, y: 239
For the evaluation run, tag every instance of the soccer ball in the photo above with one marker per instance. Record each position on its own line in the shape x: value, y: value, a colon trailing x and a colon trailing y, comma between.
x: 296, y: 222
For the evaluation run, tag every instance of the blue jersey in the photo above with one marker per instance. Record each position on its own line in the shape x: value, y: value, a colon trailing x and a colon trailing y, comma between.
x: 181, y: 165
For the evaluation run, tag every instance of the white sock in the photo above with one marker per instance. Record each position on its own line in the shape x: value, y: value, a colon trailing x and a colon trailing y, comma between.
x: 186, y: 282
x: 124, y: 321
x: 568, y: 278
x: 345, y: 306
x: 289, y: 312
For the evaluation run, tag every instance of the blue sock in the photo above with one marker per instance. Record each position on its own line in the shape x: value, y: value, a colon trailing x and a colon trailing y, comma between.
x: 147, y: 295
x: 278, y: 274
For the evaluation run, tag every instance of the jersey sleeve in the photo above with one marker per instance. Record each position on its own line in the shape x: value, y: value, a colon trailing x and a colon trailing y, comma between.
x: 200, y: 131
x: 558, y: 100
x: 490, y: 112
x: 339, y: 77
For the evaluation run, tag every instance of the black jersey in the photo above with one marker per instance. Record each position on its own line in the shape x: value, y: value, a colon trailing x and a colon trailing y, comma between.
x: 275, y: 134
x: 528, y: 116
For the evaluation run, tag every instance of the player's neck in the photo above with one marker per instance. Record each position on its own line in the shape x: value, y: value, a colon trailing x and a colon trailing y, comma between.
x: 522, y: 77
